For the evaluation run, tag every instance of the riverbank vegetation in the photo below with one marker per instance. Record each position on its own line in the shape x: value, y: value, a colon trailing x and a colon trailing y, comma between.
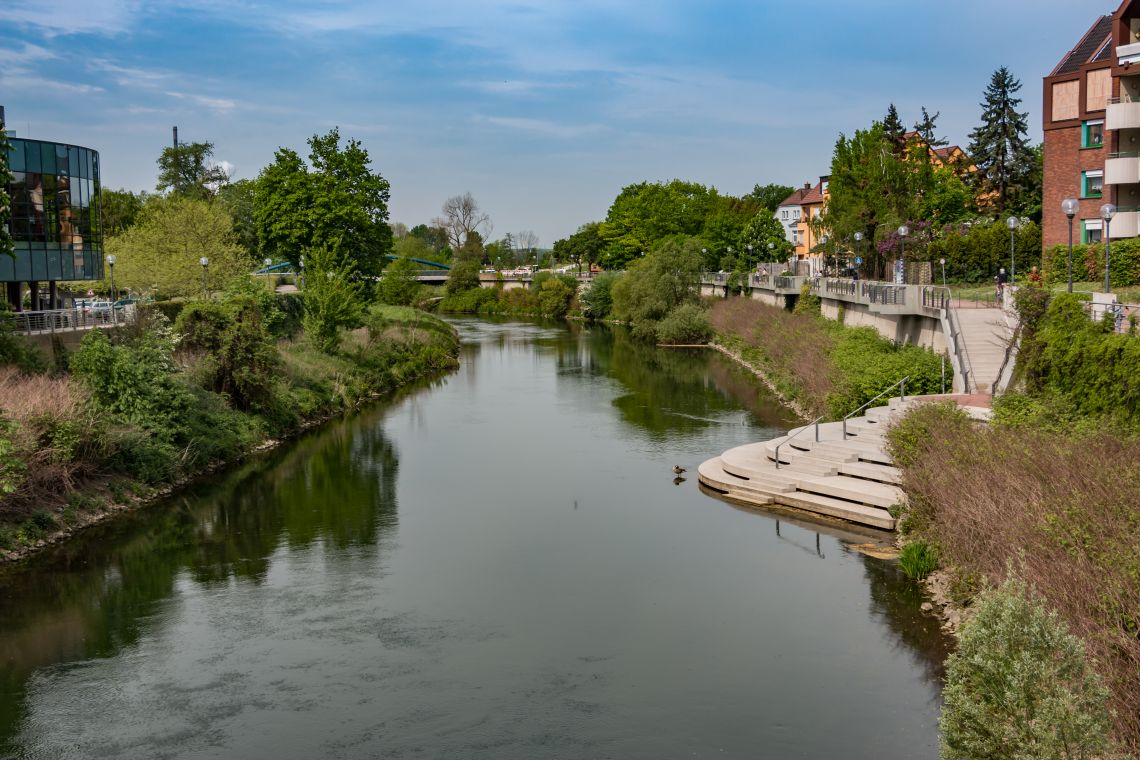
x: 823, y: 366
x: 152, y: 403
x: 1055, y: 490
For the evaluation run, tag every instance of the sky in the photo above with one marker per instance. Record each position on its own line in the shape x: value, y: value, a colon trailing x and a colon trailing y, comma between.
x: 541, y: 109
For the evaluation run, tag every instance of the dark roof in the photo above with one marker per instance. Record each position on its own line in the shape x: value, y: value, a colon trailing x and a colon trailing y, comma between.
x: 1092, y: 47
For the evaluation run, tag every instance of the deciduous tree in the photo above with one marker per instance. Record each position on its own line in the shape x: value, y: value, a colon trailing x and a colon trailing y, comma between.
x: 335, y: 202
x: 762, y: 231
x: 770, y: 196
x: 6, y: 245
x: 462, y: 217
x: 189, y: 170
x: 120, y: 209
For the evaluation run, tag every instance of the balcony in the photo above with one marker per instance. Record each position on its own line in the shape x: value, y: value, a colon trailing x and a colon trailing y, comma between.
x: 1128, y: 54
x: 1123, y: 113
x: 1122, y: 169
x: 1126, y: 224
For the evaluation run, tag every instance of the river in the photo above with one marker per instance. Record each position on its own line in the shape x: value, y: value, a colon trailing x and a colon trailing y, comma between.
x: 496, y: 564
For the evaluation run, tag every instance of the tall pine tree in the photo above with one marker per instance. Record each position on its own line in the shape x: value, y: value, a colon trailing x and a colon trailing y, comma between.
x: 999, y: 146
x: 893, y: 128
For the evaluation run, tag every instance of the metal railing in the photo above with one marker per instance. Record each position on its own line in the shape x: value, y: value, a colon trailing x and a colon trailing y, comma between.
x: 66, y: 320
x: 901, y: 384
x: 790, y: 437
x: 893, y: 295
x: 1122, y: 313
x: 841, y: 287
x: 936, y: 297
x: 785, y: 283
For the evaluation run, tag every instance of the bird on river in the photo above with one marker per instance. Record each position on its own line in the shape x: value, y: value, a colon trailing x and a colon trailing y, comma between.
x: 678, y: 469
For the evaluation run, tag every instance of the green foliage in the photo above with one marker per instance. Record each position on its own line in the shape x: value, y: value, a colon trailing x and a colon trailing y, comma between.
x: 808, y: 302
x: 188, y: 171
x: 334, y: 297
x: 584, y: 247
x: 762, y: 230
x: 472, y: 300
x: 239, y: 199
x: 686, y: 324
x: 770, y: 196
x: 666, y: 278
x: 119, y: 209
x: 159, y: 254
x: 6, y: 245
x: 1020, y: 685
x: 918, y: 559
x: 464, y: 275
x: 869, y: 364
x: 12, y: 467
x: 554, y: 297
x: 1088, y: 263
x: 399, y: 286
x: 598, y: 297
x: 1095, y: 369
x: 975, y: 253
x: 907, y: 438
x: 17, y: 350
x: 237, y: 354
x: 334, y: 202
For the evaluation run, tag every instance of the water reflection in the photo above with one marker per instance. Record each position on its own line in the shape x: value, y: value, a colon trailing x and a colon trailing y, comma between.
x: 99, y: 595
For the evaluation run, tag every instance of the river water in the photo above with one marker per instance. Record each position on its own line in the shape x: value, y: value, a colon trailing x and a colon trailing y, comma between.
x: 497, y: 564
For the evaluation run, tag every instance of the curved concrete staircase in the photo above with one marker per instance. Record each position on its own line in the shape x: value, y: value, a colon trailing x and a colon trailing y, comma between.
x: 850, y: 478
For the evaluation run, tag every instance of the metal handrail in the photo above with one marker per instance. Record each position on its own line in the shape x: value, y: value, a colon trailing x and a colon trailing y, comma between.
x: 931, y: 293
x: 902, y: 394
x: 789, y: 438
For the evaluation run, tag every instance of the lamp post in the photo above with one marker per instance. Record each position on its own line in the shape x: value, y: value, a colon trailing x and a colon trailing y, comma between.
x: 1107, y: 211
x: 205, y: 262
x: 858, y: 242
x: 942, y: 261
x: 301, y: 266
x: 823, y: 242
x: 1012, y: 224
x: 111, y: 267
x: 1070, y: 207
x: 903, y: 232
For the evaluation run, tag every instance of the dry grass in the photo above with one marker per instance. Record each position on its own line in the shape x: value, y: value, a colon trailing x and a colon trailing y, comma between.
x: 1065, y: 511
x: 52, y: 437
x: 795, y: 349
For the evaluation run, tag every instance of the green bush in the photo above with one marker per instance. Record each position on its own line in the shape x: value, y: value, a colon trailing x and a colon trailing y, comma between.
x: 598, y: 297
x: 464, y: 276
x: 869, y: 364
x: 808, y: 302
x: 688, y: 323
x: 1019, y: 685
x: 975, y: 253
x: 554, y: 297
x: 168, y: 309
x: 918, y: 559
x: 470, y: 301
x: 17, y: 350
x: 1088, y: 263
x: 658, y: 283
x: 398, y: 285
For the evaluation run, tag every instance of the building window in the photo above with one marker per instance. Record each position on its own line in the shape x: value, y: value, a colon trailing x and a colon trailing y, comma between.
x: 1092, y: 184
x: 1092, y: 134
x: 784, y: 214
x: 1091, y: 230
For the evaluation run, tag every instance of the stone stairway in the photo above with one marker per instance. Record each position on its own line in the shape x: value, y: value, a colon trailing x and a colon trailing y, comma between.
x: 850, y: 478
x: 985, y: 334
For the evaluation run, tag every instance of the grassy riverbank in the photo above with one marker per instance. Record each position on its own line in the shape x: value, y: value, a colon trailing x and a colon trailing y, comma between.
x: 821, y: 366
x: 152, y: 405
x: 1047, y: 493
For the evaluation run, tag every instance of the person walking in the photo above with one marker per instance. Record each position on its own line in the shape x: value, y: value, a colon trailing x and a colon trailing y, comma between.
x: 1002, y: 279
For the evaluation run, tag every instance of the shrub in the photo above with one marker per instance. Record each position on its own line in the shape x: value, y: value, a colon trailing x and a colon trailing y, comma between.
x: 334, y: 297
x: 237, y: 353
x: 658, y: 283
x: 687, y: 323
x: 16, y: 350
x: 554, y: 298
x: 918, y: 559
x: 398, y: 285
x: 1020, y: 685
x: 598, y: 297
x: 464, y: 276
x: 808, y: 302
x: 1088, y: 263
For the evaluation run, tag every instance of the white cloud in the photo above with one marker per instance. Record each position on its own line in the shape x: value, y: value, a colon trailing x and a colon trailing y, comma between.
x: 220, y: 105
x: 29, y: 53
x: 127, y: 76
x: 541, y: 126
x: 72, y: 16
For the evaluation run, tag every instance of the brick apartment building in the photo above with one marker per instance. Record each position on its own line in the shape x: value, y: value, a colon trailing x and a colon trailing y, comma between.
x: 1092, y: 131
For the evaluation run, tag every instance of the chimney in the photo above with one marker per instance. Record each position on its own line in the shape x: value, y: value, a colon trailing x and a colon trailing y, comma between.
x: 2, y: 115
x: 176, y: 138
x: 807, y: 186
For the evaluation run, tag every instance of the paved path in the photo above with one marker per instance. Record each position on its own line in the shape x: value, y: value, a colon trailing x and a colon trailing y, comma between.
x: 850, y: 477
x: 985, y: 333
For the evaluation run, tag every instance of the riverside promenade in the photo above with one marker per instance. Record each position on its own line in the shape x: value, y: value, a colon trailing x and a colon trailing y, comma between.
x: 827, y: 469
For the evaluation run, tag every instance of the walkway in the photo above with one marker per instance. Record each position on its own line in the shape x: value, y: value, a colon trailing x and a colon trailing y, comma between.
x: 986, y: 335
x: 850, y: 477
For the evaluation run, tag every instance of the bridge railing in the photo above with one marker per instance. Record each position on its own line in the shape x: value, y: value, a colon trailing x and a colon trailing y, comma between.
x: 893, y: 295
x: 936, y: 297
x: 785, y: 283
x: 65, y: 320
x: 841, y: 287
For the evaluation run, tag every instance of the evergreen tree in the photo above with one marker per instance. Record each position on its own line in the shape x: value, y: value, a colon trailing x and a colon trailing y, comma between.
x: 927, y: 131
x: 999, y: 146
x: 893, y: 128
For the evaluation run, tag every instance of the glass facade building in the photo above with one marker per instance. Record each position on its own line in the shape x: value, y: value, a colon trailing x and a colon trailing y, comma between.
x: 56, y: 224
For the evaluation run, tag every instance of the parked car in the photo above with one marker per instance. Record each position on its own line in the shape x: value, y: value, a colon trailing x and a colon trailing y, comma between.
x: 123, y: 303
x: 98, y: 309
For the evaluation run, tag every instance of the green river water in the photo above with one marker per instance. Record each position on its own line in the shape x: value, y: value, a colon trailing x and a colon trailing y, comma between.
x: 497, y: 564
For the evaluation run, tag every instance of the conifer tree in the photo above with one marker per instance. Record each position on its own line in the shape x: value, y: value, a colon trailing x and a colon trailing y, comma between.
x: 927, y: 131
x: 893, y: 128
x: 999, y: 146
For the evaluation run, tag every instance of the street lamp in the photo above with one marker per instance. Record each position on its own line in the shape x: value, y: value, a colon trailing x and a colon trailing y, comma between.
x: 858, y: 240
x: 903, y: 232
x: 942, y: 261
x: 1107, y: 211
x: 1070, y: 207
x: 1012, y: 224
x: 111, y: 266
x: 205, y: 262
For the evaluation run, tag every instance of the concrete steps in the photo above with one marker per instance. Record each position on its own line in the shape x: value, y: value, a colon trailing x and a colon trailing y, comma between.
x: 854, y: 490
x: 882, y: 473
x: 985, y: 335
x: 844, y: 510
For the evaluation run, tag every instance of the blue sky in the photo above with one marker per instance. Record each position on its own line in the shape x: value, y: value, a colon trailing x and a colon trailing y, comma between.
x: 542, y: 109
